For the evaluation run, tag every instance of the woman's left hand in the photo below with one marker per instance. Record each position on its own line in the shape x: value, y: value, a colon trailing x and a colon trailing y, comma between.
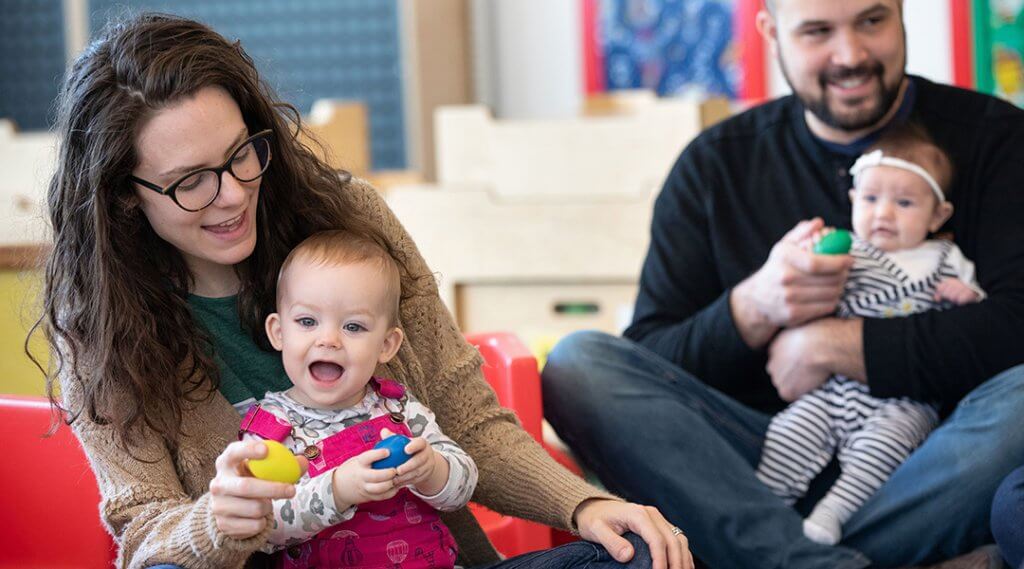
x: 604, y: 521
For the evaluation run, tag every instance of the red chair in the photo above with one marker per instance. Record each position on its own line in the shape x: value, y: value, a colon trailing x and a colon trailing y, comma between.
x: 511, y: 370
x: 50, y: 510
x: 50, y: 514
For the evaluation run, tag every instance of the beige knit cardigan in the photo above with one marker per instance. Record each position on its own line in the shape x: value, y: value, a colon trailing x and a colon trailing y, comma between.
x: 159, y: 512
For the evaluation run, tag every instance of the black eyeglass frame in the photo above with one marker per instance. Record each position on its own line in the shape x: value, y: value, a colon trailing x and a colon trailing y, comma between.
x: 171, y: 190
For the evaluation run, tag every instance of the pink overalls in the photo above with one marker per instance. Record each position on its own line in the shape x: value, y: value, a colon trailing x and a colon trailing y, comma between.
x: 402, y: 532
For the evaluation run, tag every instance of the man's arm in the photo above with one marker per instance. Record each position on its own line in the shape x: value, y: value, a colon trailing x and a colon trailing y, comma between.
x: 802, y: 358
x: 686, y: 314
x: 682, y: 309
x: 792, y: 287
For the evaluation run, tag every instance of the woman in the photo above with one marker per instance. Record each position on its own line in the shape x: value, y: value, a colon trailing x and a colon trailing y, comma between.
x: 179, y: 190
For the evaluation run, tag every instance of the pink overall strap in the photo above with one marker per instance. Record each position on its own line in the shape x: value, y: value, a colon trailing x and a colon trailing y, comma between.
x: 388, y: 388
x: 261, y: 422
x: 354, y: 440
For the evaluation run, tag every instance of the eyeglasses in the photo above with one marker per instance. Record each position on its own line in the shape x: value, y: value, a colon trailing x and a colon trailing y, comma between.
x: 198, y: 189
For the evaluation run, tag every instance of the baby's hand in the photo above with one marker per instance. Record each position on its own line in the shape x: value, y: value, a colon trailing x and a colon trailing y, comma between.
x: 955, y: 291
x: 426, y: 470
x: 357, y: 482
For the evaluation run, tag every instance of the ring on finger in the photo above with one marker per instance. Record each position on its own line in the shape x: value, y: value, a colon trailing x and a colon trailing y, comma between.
x: 676, y: 531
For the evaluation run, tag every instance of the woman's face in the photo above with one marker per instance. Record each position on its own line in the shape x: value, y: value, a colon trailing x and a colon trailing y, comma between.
x: 200, y: 131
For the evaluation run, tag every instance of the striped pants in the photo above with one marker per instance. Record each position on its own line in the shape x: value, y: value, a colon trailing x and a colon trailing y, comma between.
x: 870, y: 437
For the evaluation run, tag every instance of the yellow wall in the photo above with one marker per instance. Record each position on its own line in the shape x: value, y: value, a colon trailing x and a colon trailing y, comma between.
x: 18, y: 310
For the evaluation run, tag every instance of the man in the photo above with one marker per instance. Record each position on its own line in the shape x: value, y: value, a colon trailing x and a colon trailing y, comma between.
x: 734, y: 318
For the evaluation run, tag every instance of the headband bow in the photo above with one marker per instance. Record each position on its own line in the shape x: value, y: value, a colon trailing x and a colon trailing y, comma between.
x: 877, y: 158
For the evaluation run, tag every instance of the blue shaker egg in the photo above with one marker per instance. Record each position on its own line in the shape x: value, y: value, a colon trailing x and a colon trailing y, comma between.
x: 395, y: 444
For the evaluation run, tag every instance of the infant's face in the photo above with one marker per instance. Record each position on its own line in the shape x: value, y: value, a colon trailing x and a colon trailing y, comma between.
x: 333, y: 328
x: 894, y: 209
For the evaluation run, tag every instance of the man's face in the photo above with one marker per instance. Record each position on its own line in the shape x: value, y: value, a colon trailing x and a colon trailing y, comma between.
x: 844, y: 59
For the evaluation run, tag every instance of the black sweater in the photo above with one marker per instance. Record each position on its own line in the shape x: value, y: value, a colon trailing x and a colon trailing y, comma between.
x: 742, y: 184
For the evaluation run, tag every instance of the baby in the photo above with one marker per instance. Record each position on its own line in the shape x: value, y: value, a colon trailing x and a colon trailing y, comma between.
x: 898, y: 201
x: 336, y: 322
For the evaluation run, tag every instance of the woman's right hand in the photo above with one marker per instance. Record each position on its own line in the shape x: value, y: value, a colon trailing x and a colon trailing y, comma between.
x: 241, y: 503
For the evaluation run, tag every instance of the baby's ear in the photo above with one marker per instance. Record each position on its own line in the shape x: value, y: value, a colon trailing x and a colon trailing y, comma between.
x: 942, y: 213
x: 273, y: 325
x: 392, y: 342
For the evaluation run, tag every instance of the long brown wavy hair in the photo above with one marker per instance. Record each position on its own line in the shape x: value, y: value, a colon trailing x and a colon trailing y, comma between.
x: 115, y: 309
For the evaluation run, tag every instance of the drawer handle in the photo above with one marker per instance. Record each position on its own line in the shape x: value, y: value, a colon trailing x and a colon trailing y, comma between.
x: 577, y: 308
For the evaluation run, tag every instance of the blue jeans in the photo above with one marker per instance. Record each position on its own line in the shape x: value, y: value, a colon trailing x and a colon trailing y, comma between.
x: 1008, y: 518
x: 579, y: 555
x: 655, y: 434
x: 576, y: 555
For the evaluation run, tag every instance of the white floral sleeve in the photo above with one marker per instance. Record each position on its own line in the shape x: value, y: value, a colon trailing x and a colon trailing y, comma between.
x: 462, y: 471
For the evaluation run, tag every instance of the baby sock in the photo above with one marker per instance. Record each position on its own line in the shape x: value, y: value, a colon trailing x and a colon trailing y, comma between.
x: 822, y: 526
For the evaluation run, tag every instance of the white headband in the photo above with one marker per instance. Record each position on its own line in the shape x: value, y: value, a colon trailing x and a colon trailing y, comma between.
x: 876, y: 158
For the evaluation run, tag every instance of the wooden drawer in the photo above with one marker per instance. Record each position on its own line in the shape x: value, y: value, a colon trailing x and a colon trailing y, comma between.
x: 551, y: 310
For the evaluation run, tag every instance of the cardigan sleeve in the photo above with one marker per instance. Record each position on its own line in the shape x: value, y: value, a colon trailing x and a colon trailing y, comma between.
x: 144, y: 506
x: 516, y: 475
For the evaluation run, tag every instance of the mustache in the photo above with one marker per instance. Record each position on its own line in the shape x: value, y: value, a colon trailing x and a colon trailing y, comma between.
x: 841, y: 72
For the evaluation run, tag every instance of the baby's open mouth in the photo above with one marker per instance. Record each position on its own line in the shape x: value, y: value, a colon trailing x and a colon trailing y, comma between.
x: 325, y: 371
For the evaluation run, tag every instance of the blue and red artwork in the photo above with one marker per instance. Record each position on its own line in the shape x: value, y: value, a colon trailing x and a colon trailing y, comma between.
x: 676, y: 47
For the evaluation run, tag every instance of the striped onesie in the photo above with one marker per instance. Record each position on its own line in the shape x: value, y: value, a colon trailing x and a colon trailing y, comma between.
x: 869, y: 436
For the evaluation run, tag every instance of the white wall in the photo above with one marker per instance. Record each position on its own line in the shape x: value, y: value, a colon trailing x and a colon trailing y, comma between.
x: 929, y: 45
x: 528, y: 58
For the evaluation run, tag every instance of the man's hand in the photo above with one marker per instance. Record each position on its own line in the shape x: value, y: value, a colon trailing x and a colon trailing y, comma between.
x: 801, y: 359
x: 604, y: 522
x: 793, y: 286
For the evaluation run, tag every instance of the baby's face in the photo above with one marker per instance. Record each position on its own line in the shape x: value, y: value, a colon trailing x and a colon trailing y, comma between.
x: 333, y: 328
x: 895, y: 209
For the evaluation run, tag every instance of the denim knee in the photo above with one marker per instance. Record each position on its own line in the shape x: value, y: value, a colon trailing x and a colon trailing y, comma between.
x: 573, y: 364
x: 641, y: 552
x: 1007, y: 511
x: 577, y: 352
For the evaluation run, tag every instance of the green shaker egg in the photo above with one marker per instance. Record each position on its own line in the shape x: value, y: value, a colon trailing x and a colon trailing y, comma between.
x: 835, y: 243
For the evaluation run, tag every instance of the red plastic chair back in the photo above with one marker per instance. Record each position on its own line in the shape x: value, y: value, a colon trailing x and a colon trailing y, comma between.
x: 50, y: 510
x: 511, y: 370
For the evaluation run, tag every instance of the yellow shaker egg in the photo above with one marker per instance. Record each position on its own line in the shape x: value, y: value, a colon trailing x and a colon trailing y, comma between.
x: 280, y: 465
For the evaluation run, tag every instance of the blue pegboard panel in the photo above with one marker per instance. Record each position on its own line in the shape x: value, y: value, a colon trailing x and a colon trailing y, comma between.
x: 31, y: 60
x: 308, y: 50
x: 677, y: 47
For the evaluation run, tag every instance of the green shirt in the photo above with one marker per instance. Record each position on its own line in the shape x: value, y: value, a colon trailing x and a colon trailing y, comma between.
x: 246, y: 371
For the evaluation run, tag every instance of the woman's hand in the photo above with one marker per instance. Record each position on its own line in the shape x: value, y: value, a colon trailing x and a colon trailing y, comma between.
x: 241, y: 504
x: 604, y: 521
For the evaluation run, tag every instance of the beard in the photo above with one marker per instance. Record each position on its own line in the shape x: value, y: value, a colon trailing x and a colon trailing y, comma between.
x: 827, y: 110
